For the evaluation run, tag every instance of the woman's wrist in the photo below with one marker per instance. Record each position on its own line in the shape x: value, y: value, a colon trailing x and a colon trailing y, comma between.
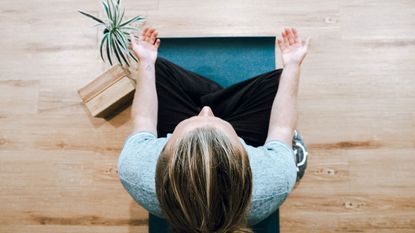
x: 292, y: 64
x: 141, y: 64
x: 142, y: 68
x: 146, y: 65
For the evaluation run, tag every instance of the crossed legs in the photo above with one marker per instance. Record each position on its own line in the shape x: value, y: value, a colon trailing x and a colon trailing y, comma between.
x: 245, y: 105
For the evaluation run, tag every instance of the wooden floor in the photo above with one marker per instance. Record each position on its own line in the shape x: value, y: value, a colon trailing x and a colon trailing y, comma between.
x: 357, y: 112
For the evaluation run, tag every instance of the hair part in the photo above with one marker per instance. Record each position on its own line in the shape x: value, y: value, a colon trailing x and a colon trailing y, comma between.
x: 204, y: 183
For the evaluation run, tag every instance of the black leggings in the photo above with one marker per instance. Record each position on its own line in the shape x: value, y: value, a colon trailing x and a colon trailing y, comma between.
x: 245, y: 105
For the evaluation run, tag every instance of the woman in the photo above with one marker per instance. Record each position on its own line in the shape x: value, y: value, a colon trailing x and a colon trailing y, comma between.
x: 206, y: 158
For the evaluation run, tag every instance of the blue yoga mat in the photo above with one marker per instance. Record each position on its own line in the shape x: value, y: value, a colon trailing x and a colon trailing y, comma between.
x: 226, y: 60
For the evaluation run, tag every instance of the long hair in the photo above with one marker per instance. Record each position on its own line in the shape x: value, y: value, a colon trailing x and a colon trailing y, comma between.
x: 204, y: 183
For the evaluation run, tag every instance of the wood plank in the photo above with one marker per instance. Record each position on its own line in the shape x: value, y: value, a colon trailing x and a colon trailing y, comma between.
x: 24, y: 100
x: 48, y: 183
x: 247, y: 18
x: 52, y: 131
x: 371, y: 193
x: 111, y: 98
x: 356, y: 105
x: 73, y: 229
x: 102, y: 82
x: 377, y: 19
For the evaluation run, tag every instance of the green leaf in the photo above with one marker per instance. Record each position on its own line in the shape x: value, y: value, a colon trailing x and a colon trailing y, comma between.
x: 120, y: 19
x: 122, y: 52
x: 115, y: 38
x: 106, y: 8
x: 108, y: 49
x: 119, y: 40
x: 126, y: 28
x: 109, y: 9
x: 102, y: 45
x: 123, y: 39
x: 127, y: 37
x: 92, y: 17
x: 117, y: 6
x: 135, y: 19
x: 116, y: 49
x: 114, y: 14
x: 124, y: 45
x: 133, y: 57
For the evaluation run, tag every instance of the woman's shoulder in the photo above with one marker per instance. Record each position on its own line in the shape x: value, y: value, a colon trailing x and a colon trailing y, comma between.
x: 139, y: 156
x: 273, y: 169
x: 273, y: 174
x: 137, y: 167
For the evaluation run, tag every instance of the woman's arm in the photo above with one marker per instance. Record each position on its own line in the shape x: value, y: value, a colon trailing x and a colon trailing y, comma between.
x: 283, y: 120
x: 145, y: 104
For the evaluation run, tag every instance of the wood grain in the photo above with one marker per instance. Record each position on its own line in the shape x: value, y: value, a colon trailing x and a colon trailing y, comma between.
x: 58, y: 165
x: 102, y: 82
x: 111, y: 98
x: 111, y: 90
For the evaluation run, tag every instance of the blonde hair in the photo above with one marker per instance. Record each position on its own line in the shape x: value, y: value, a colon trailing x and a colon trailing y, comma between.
x: 204, y: 183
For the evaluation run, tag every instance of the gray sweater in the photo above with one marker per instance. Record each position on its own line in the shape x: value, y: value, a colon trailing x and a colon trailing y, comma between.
x: 273, y: 170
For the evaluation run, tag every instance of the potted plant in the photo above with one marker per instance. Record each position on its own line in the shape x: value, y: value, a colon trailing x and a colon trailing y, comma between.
x: 114, y: 87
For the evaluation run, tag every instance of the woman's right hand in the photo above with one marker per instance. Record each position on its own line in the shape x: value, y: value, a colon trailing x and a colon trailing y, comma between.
x: 145, y: 48
x: 292, y: 47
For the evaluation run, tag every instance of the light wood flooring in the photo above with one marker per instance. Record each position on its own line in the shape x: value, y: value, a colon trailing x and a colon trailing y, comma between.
x: 357, y: 112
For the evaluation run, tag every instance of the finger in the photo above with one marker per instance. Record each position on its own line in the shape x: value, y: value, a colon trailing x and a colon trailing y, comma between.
x: 286, y: 34
x: 285, y: 39
x: 157, y: 43
x: 290, y: 36
x: 147, y: 30
x: 143, y: 32
x: 148, y: 35
x: 295, y: 35
x: 154, y: 37
x: 151, y: 38
x: 280, y: 44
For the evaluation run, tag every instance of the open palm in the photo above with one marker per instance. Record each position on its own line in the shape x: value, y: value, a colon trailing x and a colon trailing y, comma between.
x: 293, y: 49
x: 146, y: 46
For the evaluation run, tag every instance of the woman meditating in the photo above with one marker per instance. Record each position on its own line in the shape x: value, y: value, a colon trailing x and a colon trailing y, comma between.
x: 208, y: 158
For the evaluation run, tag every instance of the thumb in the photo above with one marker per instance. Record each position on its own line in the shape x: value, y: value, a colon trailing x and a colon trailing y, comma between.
x: 157, y: 44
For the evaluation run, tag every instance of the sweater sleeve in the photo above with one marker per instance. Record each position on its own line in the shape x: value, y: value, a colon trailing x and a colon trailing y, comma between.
x: 137, y: 168
x: 274, y: 176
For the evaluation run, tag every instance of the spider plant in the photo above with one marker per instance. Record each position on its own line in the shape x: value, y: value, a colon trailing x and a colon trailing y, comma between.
x: 115, y: 40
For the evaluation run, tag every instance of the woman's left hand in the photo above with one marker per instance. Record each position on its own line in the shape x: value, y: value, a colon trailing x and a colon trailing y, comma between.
x: 293, y: 48
x: 145, y: 48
